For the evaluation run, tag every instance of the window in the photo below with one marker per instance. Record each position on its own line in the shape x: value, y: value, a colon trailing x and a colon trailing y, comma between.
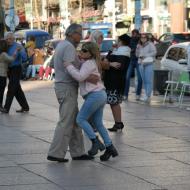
x: 106, y: 45
x: 177, y: 53
x: 167, y: 37
x: 182, y: 54
x: 144, y: 4
x: 173, y: 54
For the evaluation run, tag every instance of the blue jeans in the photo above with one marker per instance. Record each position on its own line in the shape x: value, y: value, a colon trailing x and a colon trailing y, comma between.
x: 93, y: 108
x: 32, y: 69
x: 147, y: 77
x: 133, y: 64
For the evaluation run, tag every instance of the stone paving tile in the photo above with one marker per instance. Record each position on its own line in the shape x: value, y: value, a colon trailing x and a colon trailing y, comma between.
x: 6, y: 163
x: 181, y: 132
x: 29, y: 123
x: 183, y: 147
x: 166, y: 181
x: 171, y: 142
x: 24, y: 148
x: 136, y: 186
x: 178, y: 187
x: 16, y: 176
x: 27, y: 158
x: 157, y: 123
x: 154, y: 123
x: 12, y: 136
x: 7, y: 170
x: 82, y: 174
x: 15, y: 119
x: 36, y: 126
x: 179, y: 156
x: 44, y: 186
x: 46, y: 136
x: 142, y: 162
x: 160, y: 171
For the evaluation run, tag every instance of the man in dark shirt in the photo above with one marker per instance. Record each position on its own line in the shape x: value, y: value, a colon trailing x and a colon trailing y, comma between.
x: 133, y: 65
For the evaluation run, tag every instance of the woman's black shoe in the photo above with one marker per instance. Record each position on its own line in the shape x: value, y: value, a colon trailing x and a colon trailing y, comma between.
x: 96, y: 145
x: 116, y: 127
x: 110, y: 151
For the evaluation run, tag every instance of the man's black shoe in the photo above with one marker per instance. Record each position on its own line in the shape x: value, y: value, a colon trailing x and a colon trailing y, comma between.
x: 51, y: 158
x: 22, y: 110
x: 83, y: 157
x: 3, y: 110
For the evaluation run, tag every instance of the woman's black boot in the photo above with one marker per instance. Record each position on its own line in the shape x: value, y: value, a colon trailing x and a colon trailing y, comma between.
x: 117, y: 126
x: 110, y: 151
x: 96, y: 145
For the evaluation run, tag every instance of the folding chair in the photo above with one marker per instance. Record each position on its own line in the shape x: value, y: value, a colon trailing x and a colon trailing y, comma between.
x: 175, y: 87
x: 51, y: 76
x: 185, y: 87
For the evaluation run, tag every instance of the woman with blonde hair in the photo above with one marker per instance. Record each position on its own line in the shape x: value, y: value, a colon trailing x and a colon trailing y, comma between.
x: 95, y: 99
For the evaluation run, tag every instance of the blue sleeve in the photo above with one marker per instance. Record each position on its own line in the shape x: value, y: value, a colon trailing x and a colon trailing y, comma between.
x: 23, y: 55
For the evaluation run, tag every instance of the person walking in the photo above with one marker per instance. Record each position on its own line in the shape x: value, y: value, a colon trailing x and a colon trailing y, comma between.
x: 67, y: 133
x: 94, y: 100
x: 15, y: 72
x: 5, y: 60
x: 133, y: 66
x: 146, y: 52
x: 114, y: 79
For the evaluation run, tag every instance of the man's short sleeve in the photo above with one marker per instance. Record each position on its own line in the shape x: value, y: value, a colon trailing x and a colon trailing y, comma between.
x: 69, y: 54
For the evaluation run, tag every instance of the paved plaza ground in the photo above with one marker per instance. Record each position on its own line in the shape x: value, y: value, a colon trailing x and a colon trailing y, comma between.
x: 154, y: 148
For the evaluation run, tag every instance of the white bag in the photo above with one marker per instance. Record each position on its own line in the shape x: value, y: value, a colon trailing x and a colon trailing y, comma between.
x: 147, y: 60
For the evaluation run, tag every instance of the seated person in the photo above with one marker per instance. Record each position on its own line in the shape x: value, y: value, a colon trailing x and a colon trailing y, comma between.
x: 45, y: 70
x: 38, y: 60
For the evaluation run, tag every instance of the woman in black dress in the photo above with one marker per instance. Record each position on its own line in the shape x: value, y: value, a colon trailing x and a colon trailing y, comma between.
x: 114, y: 78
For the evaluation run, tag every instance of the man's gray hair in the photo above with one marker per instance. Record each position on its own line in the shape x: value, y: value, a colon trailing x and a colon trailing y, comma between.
x: 8, y: 35
x: 72, y: 29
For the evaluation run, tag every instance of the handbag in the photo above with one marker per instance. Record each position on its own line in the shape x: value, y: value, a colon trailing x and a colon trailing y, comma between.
x: 147, y: 60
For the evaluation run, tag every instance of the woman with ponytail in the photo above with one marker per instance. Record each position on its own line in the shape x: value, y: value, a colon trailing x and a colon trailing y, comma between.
x: 94, y: 100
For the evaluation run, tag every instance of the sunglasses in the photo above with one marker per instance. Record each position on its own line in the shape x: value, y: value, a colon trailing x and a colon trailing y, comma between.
x: 84, y: 50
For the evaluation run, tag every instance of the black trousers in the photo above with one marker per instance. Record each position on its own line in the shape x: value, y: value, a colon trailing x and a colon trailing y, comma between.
x: 3, y: 82
x: 15, y: 90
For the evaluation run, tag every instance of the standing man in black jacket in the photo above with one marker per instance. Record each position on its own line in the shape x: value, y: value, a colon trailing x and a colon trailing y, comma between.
x: 133, y: 65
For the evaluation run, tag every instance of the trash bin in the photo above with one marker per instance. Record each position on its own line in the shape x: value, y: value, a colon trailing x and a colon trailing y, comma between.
x: 160, y: 77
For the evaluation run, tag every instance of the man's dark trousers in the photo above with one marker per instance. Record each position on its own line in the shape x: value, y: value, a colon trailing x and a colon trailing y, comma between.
x: 15, y: 90
x: 2, y: 88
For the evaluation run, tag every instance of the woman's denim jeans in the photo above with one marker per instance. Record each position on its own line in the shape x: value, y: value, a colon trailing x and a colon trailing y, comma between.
x: 147, y: 77
x: 32, y: 69
x: 93, y: 108
x: 133, y: 64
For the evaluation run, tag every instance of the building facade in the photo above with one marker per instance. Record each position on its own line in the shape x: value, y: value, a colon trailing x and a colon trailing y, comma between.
x: 160, y: 16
